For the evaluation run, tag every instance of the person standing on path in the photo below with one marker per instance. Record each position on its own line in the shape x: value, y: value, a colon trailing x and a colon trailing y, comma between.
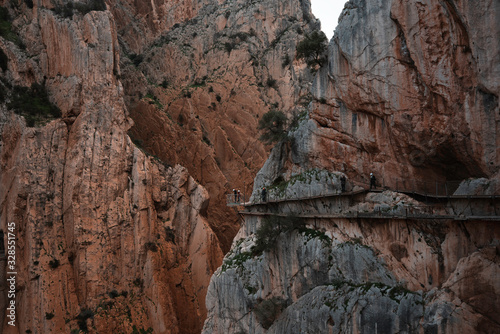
x: 342, y: 183
x: 373, y: 181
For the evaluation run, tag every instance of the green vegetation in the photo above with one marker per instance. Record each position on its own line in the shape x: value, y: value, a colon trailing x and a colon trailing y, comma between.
x: 294, y: 125
x: 141, y: 330
x: 151, y: 246
x: 270, y: 229
x: 137, y: 60
x: 49, y: 315
x: 164, y: 83
x: 54, y: 263
x: 6, y: 28
x: 272, y: 83
x: 315, y: 234
x: 273, y: 125
x: 286, y: 61
x: 85, y: 314
x: 138, y: 283
x: 67, y: 10
x: 33, y: 103
x: 229, y: 46
x: 268, y: 310
x: 312, y: 49
x: 113, y: 294
x: 395, y: 293
x: 29, y: 3
x: 236, y: 261
x: 280, y: 185
x: 154, y: 100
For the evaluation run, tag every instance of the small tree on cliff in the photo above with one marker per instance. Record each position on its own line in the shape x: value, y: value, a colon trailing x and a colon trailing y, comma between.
x: 312, y: 49
x: 273, y: 125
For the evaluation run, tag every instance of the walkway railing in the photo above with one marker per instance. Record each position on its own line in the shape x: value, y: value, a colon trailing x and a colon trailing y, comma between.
x: 403, y: 212
x: 445, y: 189
x: 235, y: 200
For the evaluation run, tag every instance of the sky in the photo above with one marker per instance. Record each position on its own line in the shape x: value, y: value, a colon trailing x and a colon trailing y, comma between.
x: 328, y: 12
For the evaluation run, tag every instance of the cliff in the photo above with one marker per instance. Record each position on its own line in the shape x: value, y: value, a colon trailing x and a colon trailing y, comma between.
x: 138, y: 117
x: 410, y: 93
x: 360, y: 276
x: 108, y: 238
x: 200, y: 74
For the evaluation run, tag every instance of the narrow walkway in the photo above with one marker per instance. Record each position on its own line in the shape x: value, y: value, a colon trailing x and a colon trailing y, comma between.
x: 374, y: 215
x: 486, y: 207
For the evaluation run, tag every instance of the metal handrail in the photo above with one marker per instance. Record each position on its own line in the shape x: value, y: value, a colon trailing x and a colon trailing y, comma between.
x: 435, y: 189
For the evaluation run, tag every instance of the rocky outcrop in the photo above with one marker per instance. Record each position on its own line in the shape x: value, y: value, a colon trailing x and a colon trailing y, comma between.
x: 410, y: 92
x: 360, y: 275
x: 202, y: 76
x: 108, y: 238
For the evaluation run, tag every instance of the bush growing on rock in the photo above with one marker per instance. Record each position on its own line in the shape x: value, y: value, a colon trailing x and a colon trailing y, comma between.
x: 312, y: 49
x: 273, y: 125
x: 270, y: 229
x: 34, y: 104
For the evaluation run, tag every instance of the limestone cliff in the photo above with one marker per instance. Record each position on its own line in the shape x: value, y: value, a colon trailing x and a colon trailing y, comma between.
x: 410, y: 93
x: 197, y: 77
x: 108, y: 239
x: 360, y: 276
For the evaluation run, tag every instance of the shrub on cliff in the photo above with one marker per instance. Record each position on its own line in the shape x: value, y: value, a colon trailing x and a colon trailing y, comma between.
x: 312, y: 49
x: 33, y: 103
x: 273, y: 126
x: 6, y: 28
x: 270, y: 229
x: 67, y: 10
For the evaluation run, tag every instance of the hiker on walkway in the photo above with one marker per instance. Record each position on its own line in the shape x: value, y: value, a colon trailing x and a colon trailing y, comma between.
x: 235, y: 195
x: 239, y: 196
x: 342, y: 183
x: 373, y: 181
x: 264, y: 194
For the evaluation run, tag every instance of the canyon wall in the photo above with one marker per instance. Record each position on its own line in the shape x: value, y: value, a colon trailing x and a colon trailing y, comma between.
x: 360, y: 276
x: 200, y: 74
x: 110, y: 226
x: 410, y: 93
x: 109, y: 239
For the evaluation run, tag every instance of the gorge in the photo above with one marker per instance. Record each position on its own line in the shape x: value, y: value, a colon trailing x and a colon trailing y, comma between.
x: 148, y: 116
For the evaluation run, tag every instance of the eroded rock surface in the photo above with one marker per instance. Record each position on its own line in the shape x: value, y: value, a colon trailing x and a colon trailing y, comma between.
x: 410, y: 93
x: 108, y: 238
x: 360, y: 275
x: 198, y: 75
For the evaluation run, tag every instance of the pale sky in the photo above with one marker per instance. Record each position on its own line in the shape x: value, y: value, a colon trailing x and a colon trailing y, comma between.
x: 328, y: 12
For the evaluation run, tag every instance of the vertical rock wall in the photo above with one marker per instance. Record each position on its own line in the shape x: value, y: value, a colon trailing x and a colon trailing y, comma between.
x: 108, y: 239
x: 411, y: 90
x: 410, y: 93
x: 202, y: 77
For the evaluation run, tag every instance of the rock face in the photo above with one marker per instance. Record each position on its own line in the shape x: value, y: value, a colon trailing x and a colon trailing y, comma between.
x: 410, y: 93
x: 360, y: 276
x: 108, y: 239
x: 198, y: 75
